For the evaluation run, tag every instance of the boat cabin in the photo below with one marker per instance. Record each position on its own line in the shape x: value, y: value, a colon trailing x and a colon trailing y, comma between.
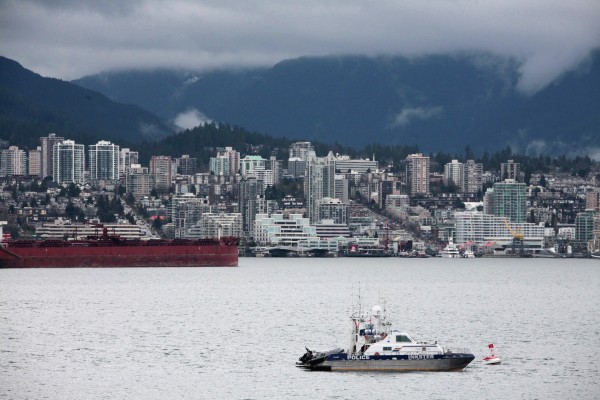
x: 401, y: 343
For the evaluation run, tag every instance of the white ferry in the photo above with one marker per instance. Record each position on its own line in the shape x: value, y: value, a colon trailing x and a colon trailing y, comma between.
x: 375, y: 346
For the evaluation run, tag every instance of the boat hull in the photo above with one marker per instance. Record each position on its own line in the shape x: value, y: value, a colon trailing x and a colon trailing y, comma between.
x: 119, y: 256
x: 400, y: 363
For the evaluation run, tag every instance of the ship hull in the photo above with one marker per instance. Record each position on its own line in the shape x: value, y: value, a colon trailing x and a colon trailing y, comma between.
x: 120, y: 256
x: 339, y: 362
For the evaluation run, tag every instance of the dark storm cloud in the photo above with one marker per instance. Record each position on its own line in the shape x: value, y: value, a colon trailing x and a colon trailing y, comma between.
x: 69, y: 38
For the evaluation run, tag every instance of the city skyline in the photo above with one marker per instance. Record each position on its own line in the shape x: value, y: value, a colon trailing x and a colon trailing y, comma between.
x: 330, y: 205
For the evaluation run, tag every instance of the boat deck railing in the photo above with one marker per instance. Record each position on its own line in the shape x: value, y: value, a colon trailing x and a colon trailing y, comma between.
x: 455, y: 350
x: 411, y: 352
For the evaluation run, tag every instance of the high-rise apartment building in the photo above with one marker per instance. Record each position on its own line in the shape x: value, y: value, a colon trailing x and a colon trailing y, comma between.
x: 251, y: 190
x: 126, y: 159
x: 302, y: 150
x: 187, y: 165
x: 265, y: 175
x: 319, y: 183
x: 341, y: 188
x: 34, y: 167
x: 510, y: 170
x: 592, y: 199
x: 250, y: 164
x: 138, y: 181
x: 466, y: 176
x: 473, y: 174
x: 161, y: 167
x: 296, y: 167
x: 417, y: 173
x: 300, y: 153
x: 219, y: 165
x: 509, y: 200
x: 47, y: 145
x: 332, y: 209
x: 186, y: 211
x: 275, y: 165
x: 268, y: 171
x: 385, y: 187
x: 234, y: 160
x: 13, y: 162
x: 584, y: 225
x: 68, y: 162
x: 454, y: 172
x: 104, y: 161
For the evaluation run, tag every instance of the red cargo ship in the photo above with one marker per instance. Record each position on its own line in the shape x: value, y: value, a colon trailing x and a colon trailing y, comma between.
x: 113, y: 251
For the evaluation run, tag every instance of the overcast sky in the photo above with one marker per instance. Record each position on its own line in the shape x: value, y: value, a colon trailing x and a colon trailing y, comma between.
x: 68, y: 39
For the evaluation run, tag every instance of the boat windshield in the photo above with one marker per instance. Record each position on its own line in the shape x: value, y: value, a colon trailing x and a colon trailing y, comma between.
x: 403, y: 339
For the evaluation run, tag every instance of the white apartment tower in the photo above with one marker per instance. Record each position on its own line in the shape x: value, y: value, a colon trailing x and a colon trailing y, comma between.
x: 126, y: 159
x: 454, y: 172
x: 13, y: 162
x: 68, y: 162
x: 319, y: 183
x: 104, y: 161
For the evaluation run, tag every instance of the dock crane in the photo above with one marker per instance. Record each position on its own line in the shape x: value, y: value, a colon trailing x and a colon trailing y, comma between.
x: 517, y: 235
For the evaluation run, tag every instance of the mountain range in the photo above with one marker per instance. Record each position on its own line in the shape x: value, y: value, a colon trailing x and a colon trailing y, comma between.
x: 438, y: 103
x: 441, y: 102
x: 32, y: 106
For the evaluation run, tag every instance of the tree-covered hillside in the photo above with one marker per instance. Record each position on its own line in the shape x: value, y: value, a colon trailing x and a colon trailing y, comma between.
x: 31, y: 106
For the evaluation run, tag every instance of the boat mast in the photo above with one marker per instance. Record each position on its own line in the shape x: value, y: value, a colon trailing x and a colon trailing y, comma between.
x: 356, y: 320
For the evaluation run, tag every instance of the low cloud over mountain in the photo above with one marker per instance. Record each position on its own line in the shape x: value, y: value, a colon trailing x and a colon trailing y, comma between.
x: 441, y: 102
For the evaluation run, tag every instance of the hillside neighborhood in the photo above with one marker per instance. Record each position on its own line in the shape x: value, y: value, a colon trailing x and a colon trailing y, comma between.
x: 306, y: 204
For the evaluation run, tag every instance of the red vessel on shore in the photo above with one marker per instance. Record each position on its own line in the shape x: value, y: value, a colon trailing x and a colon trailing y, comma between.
x: 112, y: 251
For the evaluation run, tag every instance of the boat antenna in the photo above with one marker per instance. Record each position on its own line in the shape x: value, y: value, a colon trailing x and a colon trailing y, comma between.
x: 359, y: 305
x: 387, y: 235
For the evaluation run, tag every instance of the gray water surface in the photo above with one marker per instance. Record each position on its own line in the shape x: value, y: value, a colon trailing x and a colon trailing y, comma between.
x: 236, y: 333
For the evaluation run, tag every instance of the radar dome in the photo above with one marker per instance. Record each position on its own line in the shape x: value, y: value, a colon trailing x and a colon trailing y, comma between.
x: 376, y: 311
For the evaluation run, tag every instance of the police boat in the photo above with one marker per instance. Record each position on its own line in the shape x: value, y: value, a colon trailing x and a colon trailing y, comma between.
x: 375, y: 346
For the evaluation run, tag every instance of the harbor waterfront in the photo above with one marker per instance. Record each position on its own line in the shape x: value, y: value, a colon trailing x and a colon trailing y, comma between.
x: 236, y: 333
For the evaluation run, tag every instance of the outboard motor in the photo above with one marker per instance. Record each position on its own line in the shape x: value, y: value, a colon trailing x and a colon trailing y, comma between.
x: 306, y: 357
